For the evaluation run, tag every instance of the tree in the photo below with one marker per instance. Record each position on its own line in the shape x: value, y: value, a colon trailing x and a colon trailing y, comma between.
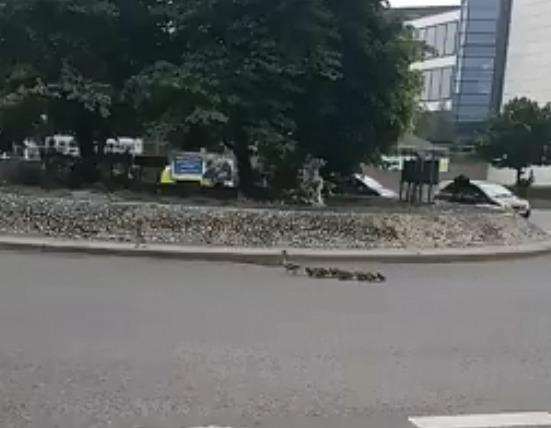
x: 324, y: 78
x: 69, y: 60
x: 255, y: 56
x: 358, y: 115
x: 275, y: 81
x: 519, y: 137
x: 176, y: 106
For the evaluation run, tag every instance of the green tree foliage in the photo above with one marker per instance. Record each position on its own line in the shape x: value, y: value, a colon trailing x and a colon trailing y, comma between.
x: 71, y: 59
x: 519, y: 137
x: 280, y: 79
x: 359, y: 114
x: 256, y: 57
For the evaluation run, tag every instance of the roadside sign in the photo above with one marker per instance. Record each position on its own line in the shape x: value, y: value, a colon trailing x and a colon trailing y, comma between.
x: 188, y: 167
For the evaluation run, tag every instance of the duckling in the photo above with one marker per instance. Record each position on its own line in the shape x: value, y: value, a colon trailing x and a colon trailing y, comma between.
x: 317, y: 273
x: 334, y: 272
x: 363, y: 276
x: 310, y: 271
x: 291, y: 268
x: 379, y: 277
x: 324, y: 273
x: 371, y: 277
x: 345, y: 276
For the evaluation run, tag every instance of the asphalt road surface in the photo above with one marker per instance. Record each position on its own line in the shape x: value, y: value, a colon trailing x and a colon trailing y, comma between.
x: 109, y: 342
x: 542, y: 218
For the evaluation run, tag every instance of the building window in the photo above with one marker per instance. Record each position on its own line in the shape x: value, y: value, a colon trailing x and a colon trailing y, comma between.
x: 487, y: 9
x: 480, y: 87
x: 475, y: 100
x: 426, y: 85
x: 440, y: 39
x: 446, y: 83
x: 421, y: 34
x: 479, y: 63
x: 482, y: 26
x: 475, y: 74
x: 437, y: 84
x: 481, y: 39
x: 472, y: 113
x: 479, y: 51
x: 431, y: 38
x: 451, y: 39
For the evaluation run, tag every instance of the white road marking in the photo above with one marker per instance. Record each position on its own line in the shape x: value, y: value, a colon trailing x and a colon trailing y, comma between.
x: 498, y: 420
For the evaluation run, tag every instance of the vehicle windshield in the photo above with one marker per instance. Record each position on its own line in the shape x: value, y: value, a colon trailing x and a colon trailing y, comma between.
x: 496, y: 191
x: 370, y: 182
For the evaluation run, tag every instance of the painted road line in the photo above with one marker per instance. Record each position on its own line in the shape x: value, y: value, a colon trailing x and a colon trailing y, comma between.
x: 498, y: 420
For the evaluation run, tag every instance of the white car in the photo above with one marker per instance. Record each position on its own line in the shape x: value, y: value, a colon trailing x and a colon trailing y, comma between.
x: 365, y: 185
x: 478, y: 192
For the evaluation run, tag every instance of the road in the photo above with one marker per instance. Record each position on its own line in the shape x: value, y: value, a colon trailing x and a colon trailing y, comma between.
x: 98, y: 342
x: 542, y: 218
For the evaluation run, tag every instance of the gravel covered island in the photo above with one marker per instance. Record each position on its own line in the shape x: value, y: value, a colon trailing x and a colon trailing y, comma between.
x: 105, y: 220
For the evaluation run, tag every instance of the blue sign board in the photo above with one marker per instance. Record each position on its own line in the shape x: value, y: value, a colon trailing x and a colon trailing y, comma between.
x: 188, y: 166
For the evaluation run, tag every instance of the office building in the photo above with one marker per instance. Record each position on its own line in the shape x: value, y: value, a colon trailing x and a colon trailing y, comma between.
x: 463, y: 68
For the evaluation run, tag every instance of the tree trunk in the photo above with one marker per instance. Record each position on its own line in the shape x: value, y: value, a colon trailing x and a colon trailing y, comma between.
x: 244, y: 166
x: 240, y: 147
x: 520, y: 173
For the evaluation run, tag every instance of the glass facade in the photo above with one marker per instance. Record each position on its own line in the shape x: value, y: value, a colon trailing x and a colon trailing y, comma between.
x: 437, y: 84
x: 441, y: 39
x: 477, y: 63
x: 464, y: 65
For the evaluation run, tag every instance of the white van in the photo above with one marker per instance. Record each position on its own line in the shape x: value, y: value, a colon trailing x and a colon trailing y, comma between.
x: 63, y: 144
x: 122, y: 145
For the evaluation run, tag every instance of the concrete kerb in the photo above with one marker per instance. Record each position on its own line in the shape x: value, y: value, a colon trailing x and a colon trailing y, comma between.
x: 272, y: 256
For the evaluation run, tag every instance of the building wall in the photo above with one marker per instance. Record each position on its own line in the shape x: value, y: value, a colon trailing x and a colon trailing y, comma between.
x: 410, y: 13
x: 529, y: 56
x: 508, y: 177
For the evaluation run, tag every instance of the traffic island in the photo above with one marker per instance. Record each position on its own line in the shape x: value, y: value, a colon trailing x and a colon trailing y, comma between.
x: 260, y: 234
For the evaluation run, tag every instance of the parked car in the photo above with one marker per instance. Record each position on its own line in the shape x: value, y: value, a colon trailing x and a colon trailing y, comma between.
x: 363, y: 185
x: 476, y: 192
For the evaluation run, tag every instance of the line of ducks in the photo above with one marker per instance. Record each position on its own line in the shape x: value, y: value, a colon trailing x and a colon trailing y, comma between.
x: 330, y: 273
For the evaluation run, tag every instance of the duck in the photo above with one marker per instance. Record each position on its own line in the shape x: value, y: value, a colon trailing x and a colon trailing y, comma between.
x: 292, y: 268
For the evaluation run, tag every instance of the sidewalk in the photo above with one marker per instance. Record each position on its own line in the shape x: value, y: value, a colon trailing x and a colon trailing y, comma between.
x: 271, y: 256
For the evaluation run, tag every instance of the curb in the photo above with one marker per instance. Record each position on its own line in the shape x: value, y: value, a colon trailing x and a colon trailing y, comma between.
x: 272, y: 257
